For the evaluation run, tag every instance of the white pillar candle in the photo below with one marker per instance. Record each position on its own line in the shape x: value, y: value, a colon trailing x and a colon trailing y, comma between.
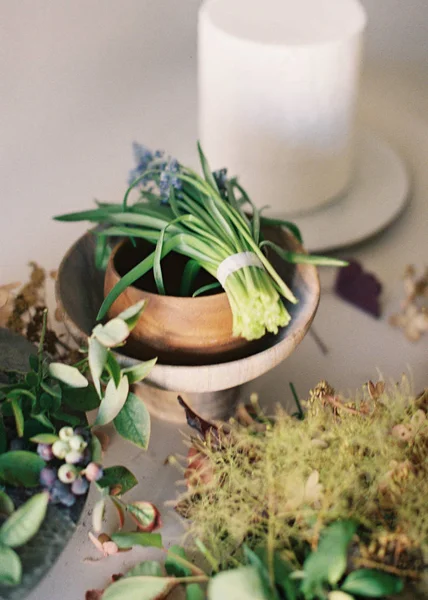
x: 278, y: 82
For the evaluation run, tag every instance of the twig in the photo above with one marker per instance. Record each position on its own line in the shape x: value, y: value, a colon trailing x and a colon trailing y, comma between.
x: 337, y: 404
x: 372, y: 564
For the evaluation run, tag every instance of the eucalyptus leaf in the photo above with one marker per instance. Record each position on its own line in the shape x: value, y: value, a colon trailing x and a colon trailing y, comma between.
x: 117, y: 476
x: 139, y: 588
x: 128, y: 540
x: 21, y: 468
x: 371, y: 583
x: 237, y: 584
x: 139, y: 372
x: 25, y: 522
x: 10, y: 567
x: 148, y: 567
x: 112, y: 333
x: 68, y: 375
x: 113, y: 401
x: 97, y: 356
x: 133, y: 422
x: 6, y: 505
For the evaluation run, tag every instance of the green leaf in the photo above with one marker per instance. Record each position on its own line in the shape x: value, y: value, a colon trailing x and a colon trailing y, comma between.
x: 139, y: 588
x: 148, y: 567
x: 113, y: 401
x: 33, y: 360
x: 81, y: 400
x: 31, y: 379
x: 139, y: 372
x: 328, y: 562
x: 68, y: 375
x: 209, y: 177
x: 113, y: 368
x: 96, y: 450
x: 114, y: 476
x: 102, y: 252
x: 25, y: 522
x: 300, y: 258
x: 54, y: 390
x: 255, y: 561
x: 238, y: 584
x: 371, y: 583
x: 44, y: 438
x: 120, y: 510
x: 97, y: 356
x: 112, y: 333
x: 72, y: 420
x: 44, y: 421
x: 176, y: 567
x: 19, y: 417
x: 133, y: 422
x: 188, y: 277
x: 6, y: 505
x: 338, y: 595
x: 194, y: 592
x: 128, y: 540
x: 98, y: 515
x: 132, y: 314
x: 21, y: 468
x: 10, y: 567
x: 145, y: 514
x: 3, y: 436
x: 282, y: 571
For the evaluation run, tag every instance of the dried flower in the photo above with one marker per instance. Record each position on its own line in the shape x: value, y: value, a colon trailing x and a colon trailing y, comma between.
x: 413, y: 316
x: 360, y: 288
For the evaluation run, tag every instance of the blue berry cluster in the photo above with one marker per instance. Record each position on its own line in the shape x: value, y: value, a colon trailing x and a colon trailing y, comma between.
x: 165, y: 171
x: 70, y: 469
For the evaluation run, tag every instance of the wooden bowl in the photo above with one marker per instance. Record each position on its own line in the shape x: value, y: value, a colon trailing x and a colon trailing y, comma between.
x: 176, y: 329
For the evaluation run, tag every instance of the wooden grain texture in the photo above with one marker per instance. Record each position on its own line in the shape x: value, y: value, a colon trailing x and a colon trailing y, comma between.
x: 179, y: 330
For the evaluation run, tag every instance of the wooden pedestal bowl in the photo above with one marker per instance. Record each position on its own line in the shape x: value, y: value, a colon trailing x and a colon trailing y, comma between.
x: 211, y: 389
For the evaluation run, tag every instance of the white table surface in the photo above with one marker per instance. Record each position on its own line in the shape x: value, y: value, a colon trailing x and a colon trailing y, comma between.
x: 79, y: 82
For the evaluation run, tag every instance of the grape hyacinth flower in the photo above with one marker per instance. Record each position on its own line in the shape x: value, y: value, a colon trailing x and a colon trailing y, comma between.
x: 143, y: 157
x: 168, y: 179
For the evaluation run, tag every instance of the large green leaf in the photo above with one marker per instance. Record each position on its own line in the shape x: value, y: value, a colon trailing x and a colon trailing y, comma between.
x: 68, y: 375
x: 10, y: 567
x: 113, y: 401
x: 25, y: 522
x: 371, y: 583
x: 132, y: 314
x: 21, y: 468
x: 328, y: 562
x: 133, y: 422
x: 238, y: 584
x: 117, y: 477
x: 139, y: 588
x: 128, y: 540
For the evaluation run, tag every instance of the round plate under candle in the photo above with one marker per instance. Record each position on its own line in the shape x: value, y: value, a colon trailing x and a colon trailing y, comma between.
x: 376, y: 197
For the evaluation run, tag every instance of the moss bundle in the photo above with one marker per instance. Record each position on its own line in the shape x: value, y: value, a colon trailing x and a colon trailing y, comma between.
x: 278, y: 482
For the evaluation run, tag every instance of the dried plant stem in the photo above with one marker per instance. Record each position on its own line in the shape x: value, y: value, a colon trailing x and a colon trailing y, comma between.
x: 271, y: 519
x: 337, y: 404
x: 372, y: 564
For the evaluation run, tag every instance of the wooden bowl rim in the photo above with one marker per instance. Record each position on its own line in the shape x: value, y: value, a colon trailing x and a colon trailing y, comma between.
x: 207, y: 378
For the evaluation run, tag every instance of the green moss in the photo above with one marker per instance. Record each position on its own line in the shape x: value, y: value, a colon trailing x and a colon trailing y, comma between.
x: 361, y: 458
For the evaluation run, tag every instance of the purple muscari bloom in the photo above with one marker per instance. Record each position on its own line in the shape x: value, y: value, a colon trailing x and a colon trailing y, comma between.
x: 143, y: 157
x: 220, y: 177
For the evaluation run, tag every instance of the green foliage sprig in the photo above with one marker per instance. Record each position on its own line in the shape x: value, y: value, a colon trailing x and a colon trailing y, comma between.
x: 21, y: 525
x: 204, y: 219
